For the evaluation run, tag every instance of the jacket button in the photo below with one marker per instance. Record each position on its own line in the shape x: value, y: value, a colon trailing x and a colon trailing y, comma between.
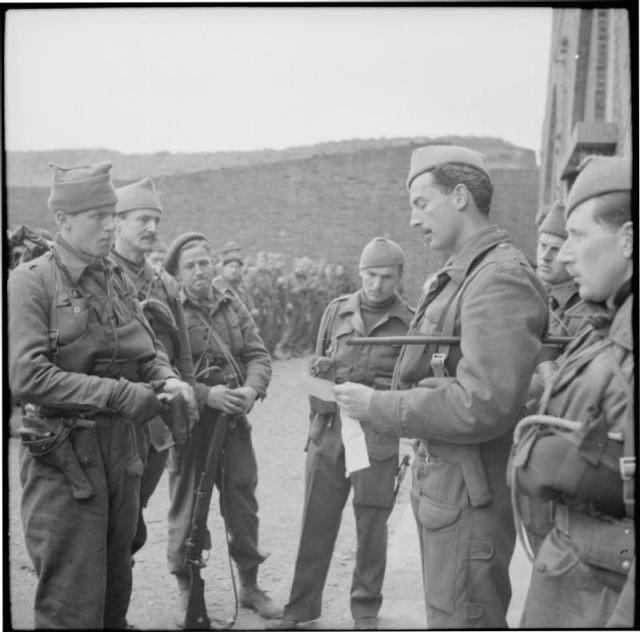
x: 626, y: 565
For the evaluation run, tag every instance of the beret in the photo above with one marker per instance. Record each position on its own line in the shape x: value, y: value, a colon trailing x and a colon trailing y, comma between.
x: 599, y: 175
x: 554, y: 222
x: 138, y: 195
x: 81, y: 188
x: 381, y: 252
x: 426, y: 158
x: 173, y: 251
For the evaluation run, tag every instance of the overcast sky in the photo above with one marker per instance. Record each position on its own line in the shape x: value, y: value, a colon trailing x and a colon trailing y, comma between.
x: 208, y: 79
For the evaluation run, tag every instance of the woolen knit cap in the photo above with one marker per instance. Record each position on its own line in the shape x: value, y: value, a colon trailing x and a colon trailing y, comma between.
x: 81, y: 188
x: 381, y: 252
x: 138, y: 195
x: 599, y: 175
x: 554, y: 222
x: 425, y: 158
x: 176, y: 246
x: 230, y: 246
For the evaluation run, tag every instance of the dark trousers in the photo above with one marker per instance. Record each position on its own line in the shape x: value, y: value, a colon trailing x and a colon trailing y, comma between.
x: 154, y: 463
x: 465, y: 550
x: 81, y: 549
x: 326, y: 492
x: 237, y: 484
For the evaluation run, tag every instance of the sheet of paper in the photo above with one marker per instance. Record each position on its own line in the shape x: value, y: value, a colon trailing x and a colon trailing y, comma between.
x: 355, y: 446
x: 322, y: 389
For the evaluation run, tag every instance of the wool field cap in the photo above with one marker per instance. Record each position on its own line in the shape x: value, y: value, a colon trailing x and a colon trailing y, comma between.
x: 233, y: 255
x: 554, y: 222
x: 426, y: 158
x: 230, y: 246
x: 81, y: 188
x: 176, y: 246
x: 599, y: 175
x: 138, y: 195
x: 380, y: 252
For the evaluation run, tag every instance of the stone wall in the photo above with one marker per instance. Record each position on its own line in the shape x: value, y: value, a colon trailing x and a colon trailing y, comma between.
x: 326, y: 206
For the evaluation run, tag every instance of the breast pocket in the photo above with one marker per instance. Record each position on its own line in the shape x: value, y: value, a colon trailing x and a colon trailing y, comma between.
x: 71, y: 319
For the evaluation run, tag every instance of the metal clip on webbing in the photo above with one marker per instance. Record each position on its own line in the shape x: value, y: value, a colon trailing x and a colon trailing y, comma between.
x: 437, y: 364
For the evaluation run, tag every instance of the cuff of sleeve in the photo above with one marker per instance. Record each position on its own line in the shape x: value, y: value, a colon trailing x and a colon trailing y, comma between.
x: 256, y: 386
x: 201, y: 391
x: 384, y: 409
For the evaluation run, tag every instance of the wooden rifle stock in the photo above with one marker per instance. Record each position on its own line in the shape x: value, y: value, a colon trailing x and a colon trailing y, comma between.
x: 196, y: 617
x: 551, y: 341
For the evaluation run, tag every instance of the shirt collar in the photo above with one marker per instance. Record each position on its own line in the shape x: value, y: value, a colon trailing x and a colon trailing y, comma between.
x: 563, y: 292
x: 457, y: 266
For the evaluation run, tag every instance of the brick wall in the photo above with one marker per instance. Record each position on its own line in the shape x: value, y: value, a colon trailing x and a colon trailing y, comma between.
x: 327, y: 206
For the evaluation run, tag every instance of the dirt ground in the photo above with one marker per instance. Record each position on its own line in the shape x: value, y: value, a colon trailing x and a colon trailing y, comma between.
x: 279, y: 434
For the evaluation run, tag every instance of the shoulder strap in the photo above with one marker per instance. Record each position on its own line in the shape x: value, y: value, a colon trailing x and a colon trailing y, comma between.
x: 439, y: 358
x: 326, y: 326
x: 224, y: 347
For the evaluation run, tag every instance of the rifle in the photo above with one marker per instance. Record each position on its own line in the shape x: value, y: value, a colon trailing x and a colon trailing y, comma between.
x: 550, y: 341
x: 196, y: 617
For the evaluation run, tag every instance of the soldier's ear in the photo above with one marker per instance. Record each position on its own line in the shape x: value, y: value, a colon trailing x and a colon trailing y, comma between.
x: 626, y: 232
x: 62, y: 219
x: 461, y: 196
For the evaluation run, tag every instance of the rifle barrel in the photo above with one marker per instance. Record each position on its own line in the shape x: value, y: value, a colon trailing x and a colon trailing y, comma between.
x: 551, y: 341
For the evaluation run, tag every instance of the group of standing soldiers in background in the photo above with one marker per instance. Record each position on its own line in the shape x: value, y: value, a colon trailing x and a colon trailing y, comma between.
x: 286, y: 306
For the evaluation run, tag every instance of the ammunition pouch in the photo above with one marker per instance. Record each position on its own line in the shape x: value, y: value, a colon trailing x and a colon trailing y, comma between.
x: 606, y: 545
x: 49, y: 441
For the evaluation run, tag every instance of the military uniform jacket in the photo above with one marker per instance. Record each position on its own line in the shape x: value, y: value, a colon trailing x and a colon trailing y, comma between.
x: 468, y: 416
x: 63, y: 354
x: 369, y: 365
x: 568, y: 313
x: 169, y: 327
x: 594, y: 385
x: 233, y: 323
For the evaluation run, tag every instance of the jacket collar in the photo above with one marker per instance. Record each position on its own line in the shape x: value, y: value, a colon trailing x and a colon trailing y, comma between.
x: 210, y: 305
x: 620, y: 331
x: 457, y: 266
x: 562, y: 292
x: 351, y: 306
x: 76, y: 262
x: 137, y: 271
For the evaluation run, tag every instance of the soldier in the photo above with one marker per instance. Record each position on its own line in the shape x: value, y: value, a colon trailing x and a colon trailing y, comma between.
x: 223, y: 338
x: 299, y: 295
x: 156, y: 255
x: 341, y: 282
x: 567, y: 313
x: 462, y: 402
x: 319, y: 287
x: 138, y: 214
x: 80, y: 354
x: 282, y: 305
x: 259, y: 285
x: 375, y: 310
x: 585, y: 461
x: 232, y: 279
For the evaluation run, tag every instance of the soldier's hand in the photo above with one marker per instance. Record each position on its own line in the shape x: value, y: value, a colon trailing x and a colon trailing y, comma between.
x: 249, y: 394
x: 173, y: 385
x: 225, y: 399
x: 354, y: 399
x: 135, y: 400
